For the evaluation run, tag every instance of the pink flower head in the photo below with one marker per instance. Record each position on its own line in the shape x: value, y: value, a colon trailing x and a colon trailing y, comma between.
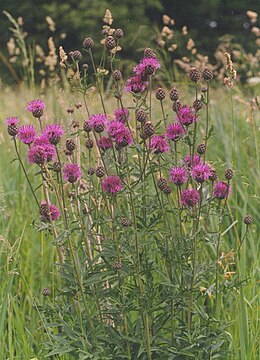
x: 186, y: 116
x: 10, y: 121
x: 147, y: 66
x: 222, y: 190
x: 122, y: 115
x: 112, y: 184
x: 192, y: 160
x: 104, y: 143
x: 53, y: 133
x: 49, y: 148
x: 136, y: 85
x: 178, y: 175
x: 37, y: 155
x: 189, y: 198
x: 124, y: 137
x: 201, y: 172
x: 36, y: 107
x: 114, y: 127
x: 159, y: 144
x: 27, y: 134
x: 98, y: 122
x: 174, y: 131
x: 72, y: 172
x: 49, y: 212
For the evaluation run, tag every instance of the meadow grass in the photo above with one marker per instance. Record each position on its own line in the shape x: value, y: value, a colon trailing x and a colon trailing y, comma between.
x: 26, y: 262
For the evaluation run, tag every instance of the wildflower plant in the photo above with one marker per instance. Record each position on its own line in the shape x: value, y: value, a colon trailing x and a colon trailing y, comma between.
x: 137, y: 214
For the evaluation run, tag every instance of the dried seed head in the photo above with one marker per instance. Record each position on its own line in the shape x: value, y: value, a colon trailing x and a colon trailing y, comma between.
x: 70, y: 145
x: 160, y: 94
x: 207, y: 74
x: 248, y: 220
x: 148, y: 53
x: 91, y: 171
x: 201, y: 149
x: 100, y: 171
x: 141, y: 116
x: 213, y: 175
x: 148, y: 129
x: 117, y: 75
x: 174, y: 96
x: 118, y: 33
x: 89, y: 144
x: 86, y: 127
x: 56, y: 167
x: 46, y: 292
x: 197, y: 105
x: 194, y: 74
x: 229, y: 173
x: 126, y: 222
x: 88, y: 43
x: 12, y: 130
x: 110, y: 43
x: 162, y: 183
x: 76, y: 55
x: 176, y: 105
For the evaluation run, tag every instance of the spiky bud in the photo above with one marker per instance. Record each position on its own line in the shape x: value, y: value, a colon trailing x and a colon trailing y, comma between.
x: 78, y: 105
x: 37, y: 113
x: 204, y: 89
x: 194, y: 74
x: 70, y: 110
x: 148, y: 129
x: 207, y: 74
x: 46, y: 292
x: 85, y: 67
x: 100, y: 171
x: 160, y: 94
x: 118, y: 33
x: 56, y: 167
x: 76, y: 55
x: 162, y: 183
x: 117, y: 75
x: 201, y: 149
x: 248, y: 220
x: 197, y: 105
x: 88, y: 43
x: 141, y: 116
x: 91, y: 171
x: 176, y: 106
x: 167, y: 190
x: 213, y: 175
x: 174, y: 96
x: 126, y: 222
x: 86, y: 127
x: 117, y: 265
x: 229, y: 173
x: 89, y: 143
x: 99, y: 128
x: 12, y: 130
x: 110, y: 42
x: 148, y: 53
x: 70, y: 145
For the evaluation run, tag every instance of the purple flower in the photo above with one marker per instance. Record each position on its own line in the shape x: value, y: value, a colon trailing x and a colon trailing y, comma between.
x: 192, y: 160
x: 221, y: 190
x: 36, y: 107
x: 174, y: 131
x: 114, y: 127
x: 112, y: 184
x: 159, y: 144
x: 27, y: 134
x: 189, y: 198
x: 10, y: 121
x: 98, y: 122
x: 201, y: 172
x: 122, y: 114
x: 37, y: 155
x: 124, y: 138
x: 104, y: 143
x: 147, y: 66
x: 186, y: 115
x: 178, y: 175
x: 53, y: 133
x: 49, y: 212
x: 136, y: 85
x: 72, y: 172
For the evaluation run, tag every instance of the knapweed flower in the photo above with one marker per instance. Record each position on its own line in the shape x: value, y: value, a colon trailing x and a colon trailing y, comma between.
x: 98, y: 122
x: 221, y: 190
x: 174, y: 131
x: 136, y: 85
x: 147, y: 66
x: 201, y: 172
x: 53, y: 133
x: 178, y: 175
x: 37, y: 155
x: 12, y: 126
x: 48, y: 212
x: 186, y: 116
x: 72, y: 172
x: 112, y: 184
x: 36, y: 107
x: 119, y: 133
x: 159, y: 144
x: 122, y: 114
x: 189, y: 198
x: 114, y: 127
x: 27, y: 134
x: 192, y: 160
x: 104, y: 143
